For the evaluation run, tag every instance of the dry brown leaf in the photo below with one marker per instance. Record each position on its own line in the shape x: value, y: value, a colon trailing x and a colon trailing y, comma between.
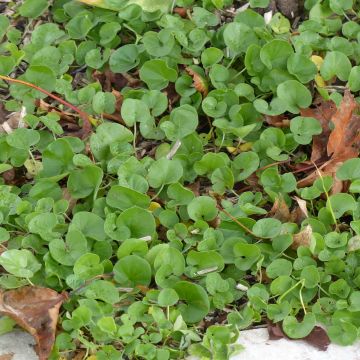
x: 280, y: 210
x: 277, y: 121
x: 199, y: 82
x: 35, y: 309
x: 317, y: 338
x: 302, y: 205
x: 181, y: 11
x: 7, y: 356
x: 303, y: 238
x: 343, y: 142
x: 323, y: 112
x: 13, y: 121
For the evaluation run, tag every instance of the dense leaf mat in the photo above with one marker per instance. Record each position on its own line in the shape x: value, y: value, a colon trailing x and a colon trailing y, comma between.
x: 178, y: 171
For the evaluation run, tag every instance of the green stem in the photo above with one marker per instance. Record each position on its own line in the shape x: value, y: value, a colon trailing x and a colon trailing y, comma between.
x: 138, y: 37
x: 301, y: 297
x: 158, y: 193
x: 289, y: 291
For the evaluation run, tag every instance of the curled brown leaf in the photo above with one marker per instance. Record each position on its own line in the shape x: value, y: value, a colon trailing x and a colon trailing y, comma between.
x: 303, y: 238
x: 200, y: 83
x: 35, y: 309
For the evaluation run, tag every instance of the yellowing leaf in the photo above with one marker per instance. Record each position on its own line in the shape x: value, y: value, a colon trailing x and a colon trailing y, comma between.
x: 317, y: 60
x: 319, y: 81
x: 153, y: 206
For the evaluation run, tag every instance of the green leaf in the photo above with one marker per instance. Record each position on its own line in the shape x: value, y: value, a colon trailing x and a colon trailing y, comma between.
x: 88, y: 266
x: 106, y: 135
x: 104, y: 102
x: 238, y: 37
x: 124, y: 58
x: 340, y: 204
x: 183, y: 121
x: 267, y: 228
x: 84, y: 182
x: 278, y: 312
x: 103, y: 290
x: 168, y: 297
x: 294, y: 95
x: 90, y: 224
x: 107, y: 324
x: 66, y: 253
x: 21, y: 263
x: 246, y: 255
x: 340, y: 288
x: 349, y: 170
x: 302, y: 67
x: 163, y: 172
x: 153, y: 5
x: 132, y: 271
x: 279, y: 267
x: 120, y: 197
x: 304, y: 128
x: 41, y: 76
x: 311, y: 276
x: 196, y: 301
x: 336, y: 64
x: 202, y: 208
x: 298, y: 330
x: 259, y: 3
x: 275, y: 54
x: 57, y: 158
x: 343, y: 333
x: 211, y: 56
x: 156, y: 74
x: 135, y: 222
x: 354, y: 79
x: 4, y: 24
x: 134, y: 110
x: 33, y: 8
x: 23, y: 138
x: 160, y: 43
x: 340, y: 6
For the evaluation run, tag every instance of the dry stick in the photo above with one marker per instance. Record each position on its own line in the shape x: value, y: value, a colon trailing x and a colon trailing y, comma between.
x: 238, y: 222
x: 89, y: 281
x: 83, y: 115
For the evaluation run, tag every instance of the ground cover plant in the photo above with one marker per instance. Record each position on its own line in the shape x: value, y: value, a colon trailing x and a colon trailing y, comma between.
x: 173, y: 172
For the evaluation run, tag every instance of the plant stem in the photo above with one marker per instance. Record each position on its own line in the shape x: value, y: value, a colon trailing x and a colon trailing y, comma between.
x: 287, y: 292
x: 83, y: 115
x: 237, y: 221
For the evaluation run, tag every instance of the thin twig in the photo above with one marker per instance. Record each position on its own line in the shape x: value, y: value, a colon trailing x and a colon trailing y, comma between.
x: 84, y: 116
x: 237, y: 222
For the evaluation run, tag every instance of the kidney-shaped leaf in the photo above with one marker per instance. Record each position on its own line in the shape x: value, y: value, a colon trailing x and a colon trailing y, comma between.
x: 131, y: 271
x: 197, y: 303
x: 298, y: 330
x: 156, y: 74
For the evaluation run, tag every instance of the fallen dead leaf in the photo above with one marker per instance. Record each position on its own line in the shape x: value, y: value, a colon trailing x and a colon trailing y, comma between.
x: 35, y: 309
x: 341, y: 144
x: 344, y: 140
x: 300, y: 213
x: 182, y: 12
x: 323, y: 112
x: 200, y: 83
x: 280, y: 210
x: 317, y: 338
x: 303, y: 238
x: 14, y: 121
x: 277, y: 121
x: 7, y: 356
